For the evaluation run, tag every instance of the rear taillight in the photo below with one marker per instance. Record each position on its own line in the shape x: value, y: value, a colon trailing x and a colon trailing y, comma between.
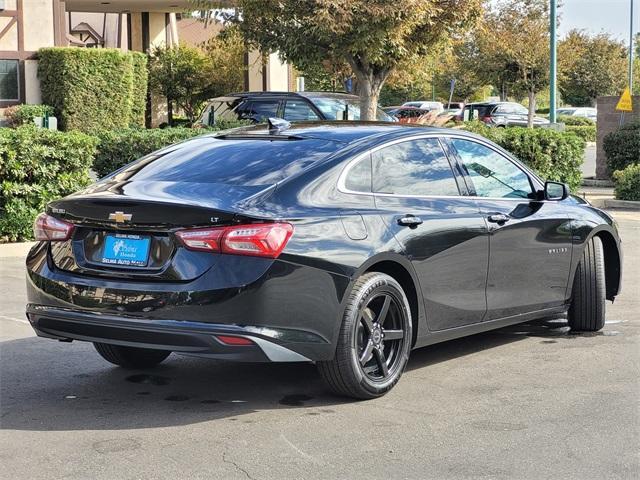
x: 235, y: 341
x: 48, y: 228
x: 256, y: 239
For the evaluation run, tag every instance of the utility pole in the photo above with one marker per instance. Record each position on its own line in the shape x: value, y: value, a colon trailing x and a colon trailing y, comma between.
x: 631, y: 48
x: 553, y: 71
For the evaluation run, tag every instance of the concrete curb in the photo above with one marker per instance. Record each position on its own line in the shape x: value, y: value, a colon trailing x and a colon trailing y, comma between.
x: 592, y: 182
x: 609, y: 203
x: 15, y: 249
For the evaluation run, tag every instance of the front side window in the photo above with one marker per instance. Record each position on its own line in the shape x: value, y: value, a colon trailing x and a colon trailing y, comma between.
x: 414, y: 167
x: 491, y: 174
x: 9, y: 89
x: 298, y: 110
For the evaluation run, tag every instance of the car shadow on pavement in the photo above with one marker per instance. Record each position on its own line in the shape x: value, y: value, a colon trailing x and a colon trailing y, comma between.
x: 46, y: 385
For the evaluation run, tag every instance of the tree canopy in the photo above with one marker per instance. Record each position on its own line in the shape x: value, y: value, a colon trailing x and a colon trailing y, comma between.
x: 590, y: 66
x: 372, y: 36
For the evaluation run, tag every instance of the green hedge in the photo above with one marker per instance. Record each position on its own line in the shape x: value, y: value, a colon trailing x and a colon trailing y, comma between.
x: 628, y: 183
x: 139, y: 89
x: 119, y: 147
x: 553, y: 155
x: 586, y: 132
x: 36, y: 166
x: 573, y: 120
x: 92, y: 88
x: 622, y: 147
x: 24, y: 114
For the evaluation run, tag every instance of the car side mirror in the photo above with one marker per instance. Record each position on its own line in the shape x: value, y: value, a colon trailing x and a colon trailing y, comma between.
x: 555, y: 191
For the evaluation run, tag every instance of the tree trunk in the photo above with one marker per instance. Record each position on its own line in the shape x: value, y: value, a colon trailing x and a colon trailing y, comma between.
x: 170, y: 112
x: 369, y: 84
x: 532, y: 108
x: 369, y: 94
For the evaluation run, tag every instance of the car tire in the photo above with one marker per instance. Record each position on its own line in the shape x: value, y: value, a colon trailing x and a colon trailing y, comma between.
x: 131, y: 357
x: 587, y: 310
x: 373, y: 347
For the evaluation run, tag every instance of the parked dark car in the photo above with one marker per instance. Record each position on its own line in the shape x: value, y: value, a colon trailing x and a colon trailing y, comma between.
x: 291, y: 106
x: 405, y: 114
x: 499, y: 114
x: 339, y: 243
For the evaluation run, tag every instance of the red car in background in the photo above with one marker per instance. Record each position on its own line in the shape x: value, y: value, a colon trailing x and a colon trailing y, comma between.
x: 405, y: 114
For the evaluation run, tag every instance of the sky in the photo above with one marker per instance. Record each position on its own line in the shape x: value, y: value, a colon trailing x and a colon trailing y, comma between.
x: 595, y: 16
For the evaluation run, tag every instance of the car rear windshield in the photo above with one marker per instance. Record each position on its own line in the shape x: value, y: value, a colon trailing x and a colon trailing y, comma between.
x: 248, y: 162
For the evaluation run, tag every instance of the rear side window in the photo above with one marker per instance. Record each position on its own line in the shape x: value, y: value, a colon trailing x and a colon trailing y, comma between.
x: 358, y: 177
x: 232, y: 161
x: 414, y: 167
x: 260, y: 110
x: 298, y: 110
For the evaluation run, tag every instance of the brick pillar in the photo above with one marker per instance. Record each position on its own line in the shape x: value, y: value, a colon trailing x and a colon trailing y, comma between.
x: 609, y: 121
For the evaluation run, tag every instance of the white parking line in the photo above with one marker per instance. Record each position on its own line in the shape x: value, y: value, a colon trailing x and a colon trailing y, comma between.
x: 3, y: 317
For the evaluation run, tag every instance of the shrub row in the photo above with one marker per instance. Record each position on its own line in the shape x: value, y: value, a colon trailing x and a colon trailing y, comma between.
x: 553, y: 155
x: 586, y: 132
x: 24, y: 114
x: 92, y: 88
x: 622, y: 147
x: 628, y: 183
x: 578, y: 121
x: 36, y: 166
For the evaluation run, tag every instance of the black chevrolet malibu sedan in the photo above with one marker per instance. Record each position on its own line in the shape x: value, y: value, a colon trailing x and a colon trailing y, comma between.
x: 343, y: 244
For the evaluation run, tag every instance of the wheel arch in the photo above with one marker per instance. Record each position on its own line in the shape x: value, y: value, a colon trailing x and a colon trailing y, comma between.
x: 400, y: 269
x: 612, y: 262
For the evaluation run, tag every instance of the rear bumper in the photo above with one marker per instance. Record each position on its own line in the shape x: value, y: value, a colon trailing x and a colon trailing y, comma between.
x: 191, y: 338
x: 290, y: 311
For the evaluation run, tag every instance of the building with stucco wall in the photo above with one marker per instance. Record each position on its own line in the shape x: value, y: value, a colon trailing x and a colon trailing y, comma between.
x: 28, y: 25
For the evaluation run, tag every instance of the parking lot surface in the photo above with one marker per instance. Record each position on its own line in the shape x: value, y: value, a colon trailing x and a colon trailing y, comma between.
x: 531, y: 401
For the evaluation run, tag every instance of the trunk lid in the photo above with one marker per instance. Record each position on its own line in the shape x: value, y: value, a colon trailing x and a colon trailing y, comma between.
x: 126, y: 229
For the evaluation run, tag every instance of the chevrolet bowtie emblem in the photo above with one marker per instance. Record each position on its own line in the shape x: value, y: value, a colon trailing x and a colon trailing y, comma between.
x: 120, y: 217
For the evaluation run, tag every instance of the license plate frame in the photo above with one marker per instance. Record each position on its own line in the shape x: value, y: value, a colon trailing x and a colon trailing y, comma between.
x: 126, y: 250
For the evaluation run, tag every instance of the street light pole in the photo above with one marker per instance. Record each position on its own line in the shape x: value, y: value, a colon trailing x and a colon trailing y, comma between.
x: 631, y: 48
x: 553, y: 69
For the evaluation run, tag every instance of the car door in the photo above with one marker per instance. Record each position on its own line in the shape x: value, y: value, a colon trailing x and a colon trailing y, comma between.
x: 529, y: 239
x: 418, y: 195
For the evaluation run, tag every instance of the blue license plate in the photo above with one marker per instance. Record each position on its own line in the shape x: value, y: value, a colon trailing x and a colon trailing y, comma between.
x: 129, y: 250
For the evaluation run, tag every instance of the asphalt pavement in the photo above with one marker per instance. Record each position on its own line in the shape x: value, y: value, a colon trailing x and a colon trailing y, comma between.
x: 526, y: 402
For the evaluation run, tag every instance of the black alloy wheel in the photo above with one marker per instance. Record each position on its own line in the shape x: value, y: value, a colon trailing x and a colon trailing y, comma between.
x: 374, y: 341
x: 380, y: 336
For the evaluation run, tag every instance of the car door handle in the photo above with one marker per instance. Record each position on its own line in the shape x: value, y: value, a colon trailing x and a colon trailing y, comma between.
x: 499, y: 218
x: 410, y: 221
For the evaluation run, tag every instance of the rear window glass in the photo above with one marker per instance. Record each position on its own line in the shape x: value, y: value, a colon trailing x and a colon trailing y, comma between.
x: 232, y: 162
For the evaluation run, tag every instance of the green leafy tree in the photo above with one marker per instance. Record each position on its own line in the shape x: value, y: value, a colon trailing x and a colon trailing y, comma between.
x: 461, y: 61
x: 225, y: 53
x: 183, y: 75
x: 590, y: 66
x: 514, y: 41
x: 372, y: 36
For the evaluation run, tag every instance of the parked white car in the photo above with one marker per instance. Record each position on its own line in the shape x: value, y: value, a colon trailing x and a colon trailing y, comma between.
x: 437, y: 106
x: 587, y: 112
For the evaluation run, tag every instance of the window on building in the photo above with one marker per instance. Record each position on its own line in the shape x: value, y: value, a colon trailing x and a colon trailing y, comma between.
x: 9, y: 89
